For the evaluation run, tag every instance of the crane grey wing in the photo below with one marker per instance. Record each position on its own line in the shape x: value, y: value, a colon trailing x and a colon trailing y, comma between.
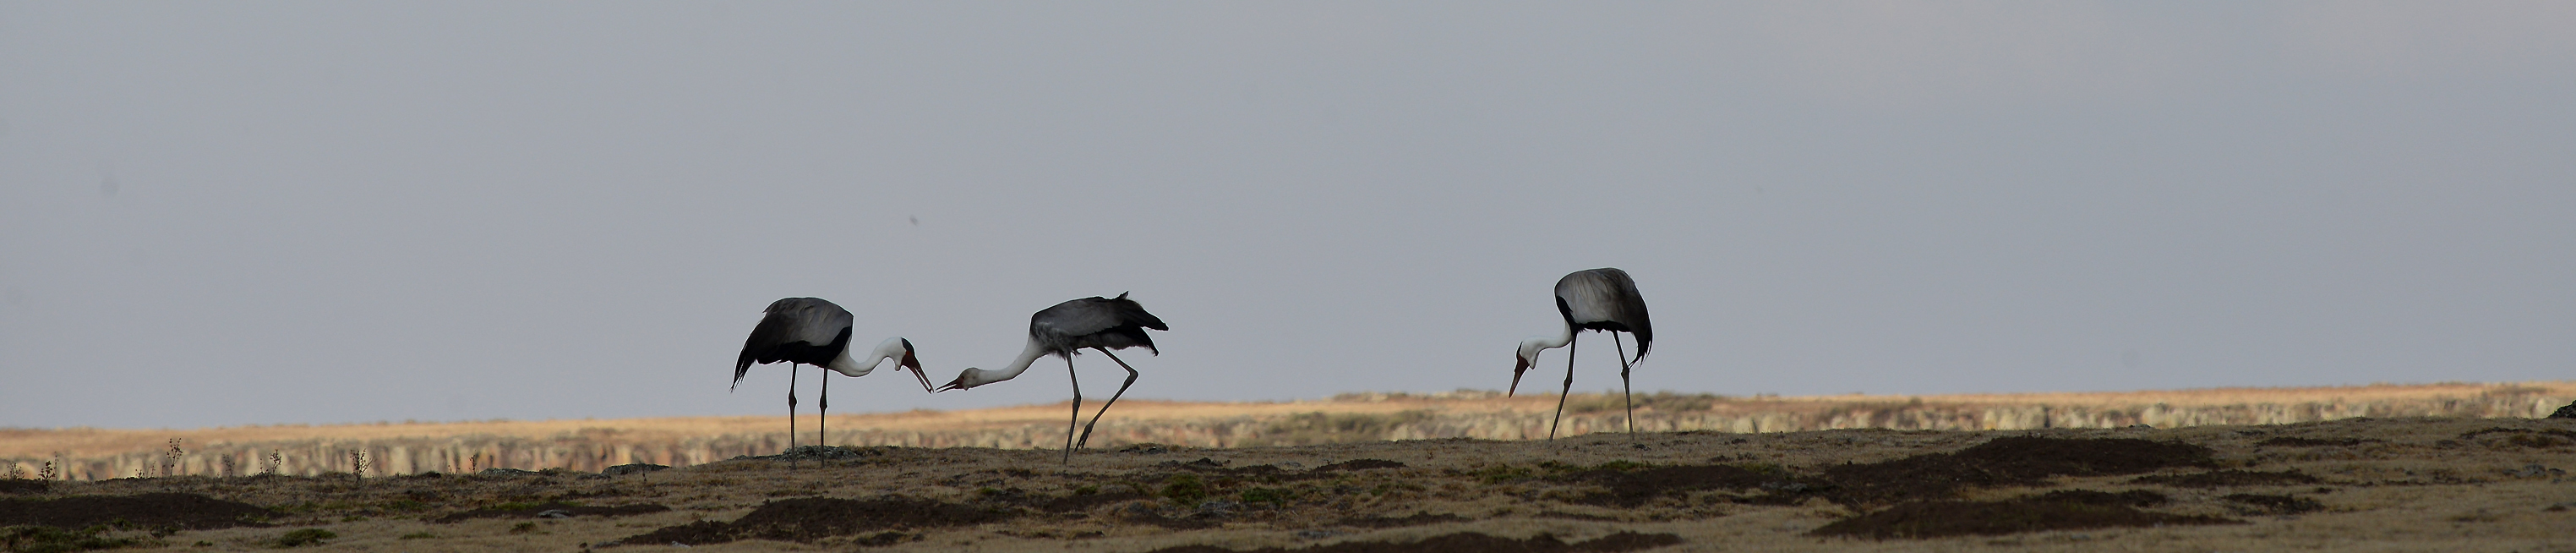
x: 789, y: 325
x: 814, y: 321
x: 1113, y: 323
x: 1606, y: 299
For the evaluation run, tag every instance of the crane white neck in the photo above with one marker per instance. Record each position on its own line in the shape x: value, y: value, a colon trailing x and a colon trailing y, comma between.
x: 1028, y: 356
x: 1531, y: 347
x: 891, y: 348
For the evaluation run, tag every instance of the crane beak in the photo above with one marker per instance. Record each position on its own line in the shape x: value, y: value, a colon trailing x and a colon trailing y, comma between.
x: 958, y: 384
x: 910, y: 362
x: 1519, y: 365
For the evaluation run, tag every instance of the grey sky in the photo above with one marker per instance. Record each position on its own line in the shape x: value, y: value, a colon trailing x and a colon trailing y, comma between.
x: 224, y: 213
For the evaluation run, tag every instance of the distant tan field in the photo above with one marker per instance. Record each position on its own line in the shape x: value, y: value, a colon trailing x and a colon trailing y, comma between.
x: 588, y: 445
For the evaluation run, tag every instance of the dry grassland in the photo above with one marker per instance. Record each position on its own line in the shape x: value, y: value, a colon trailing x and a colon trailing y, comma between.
x: 590, y: 445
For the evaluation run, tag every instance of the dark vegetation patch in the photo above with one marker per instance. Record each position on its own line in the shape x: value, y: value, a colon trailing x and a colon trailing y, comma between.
x: 2132, y: 498
x: 2013, y: 461
x: 2274, y: 504
x: 173, y: 510
x: 632, y: 468
x: 2229, y: 477
x: 1466, y: 542
x: 695, y: 533
x: 1360, y: 464
x: 809, y: 518
x: 2001, y: 462
x: 822, y: 453
x: 2526, y: 437
x: 1630, y: 488
x: 567, y: 510
x: 886, y: 538
x: 17, y: 485
x: 2061, y: 510
x: 1212, y: 466
x: 1415, y: 519
x: 2294, y: 441
x: 48, y: 539
x: 306, y: 536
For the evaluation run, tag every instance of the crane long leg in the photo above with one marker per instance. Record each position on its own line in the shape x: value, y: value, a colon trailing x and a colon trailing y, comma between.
x: 1077, y: 408
x: 822, y: 426
x: 791, y: 406
x: 1113, y: 398
x: 1624, y: 393
x: 1569, y: 389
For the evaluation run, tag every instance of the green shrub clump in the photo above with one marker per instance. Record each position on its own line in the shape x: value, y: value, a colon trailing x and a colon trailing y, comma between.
x: 1185, y: 489
x: 304, y: 537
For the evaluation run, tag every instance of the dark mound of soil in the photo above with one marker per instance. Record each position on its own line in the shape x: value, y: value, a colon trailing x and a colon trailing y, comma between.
x: 696, y: 533
x: 633, y: 468
x: 1416, y: 519
x: 2294, y: 441
x: 2229, y: 477
x: 2568, y: 412
x: 179, y: 510
x: 568, y: 509
x: 2274, y: 504
x: 2063, y: 510
x: 809, y: 518
x: 1467, y: 542
x: 1361, y: 464
x: 818, y: 453
x: 2014, y: 461
x: 2526, y: 437
x: 15, y: 485
x: 2132, y: 498
x: 1636, y: 487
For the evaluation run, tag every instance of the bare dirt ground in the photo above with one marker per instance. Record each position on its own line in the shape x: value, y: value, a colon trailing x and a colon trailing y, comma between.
x: 2385, y: 484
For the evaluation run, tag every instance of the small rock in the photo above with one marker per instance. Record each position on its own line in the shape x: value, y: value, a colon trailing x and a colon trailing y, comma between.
x: 554, y: 513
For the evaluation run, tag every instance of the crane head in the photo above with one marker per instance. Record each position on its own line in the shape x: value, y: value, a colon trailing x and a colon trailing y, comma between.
x: 969, y: 379
x: 910, y: 362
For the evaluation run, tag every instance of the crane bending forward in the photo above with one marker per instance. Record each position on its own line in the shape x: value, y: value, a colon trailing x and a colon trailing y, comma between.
x: 812, y: 331
x: 1095, y: 323
x: 1599, y: 299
